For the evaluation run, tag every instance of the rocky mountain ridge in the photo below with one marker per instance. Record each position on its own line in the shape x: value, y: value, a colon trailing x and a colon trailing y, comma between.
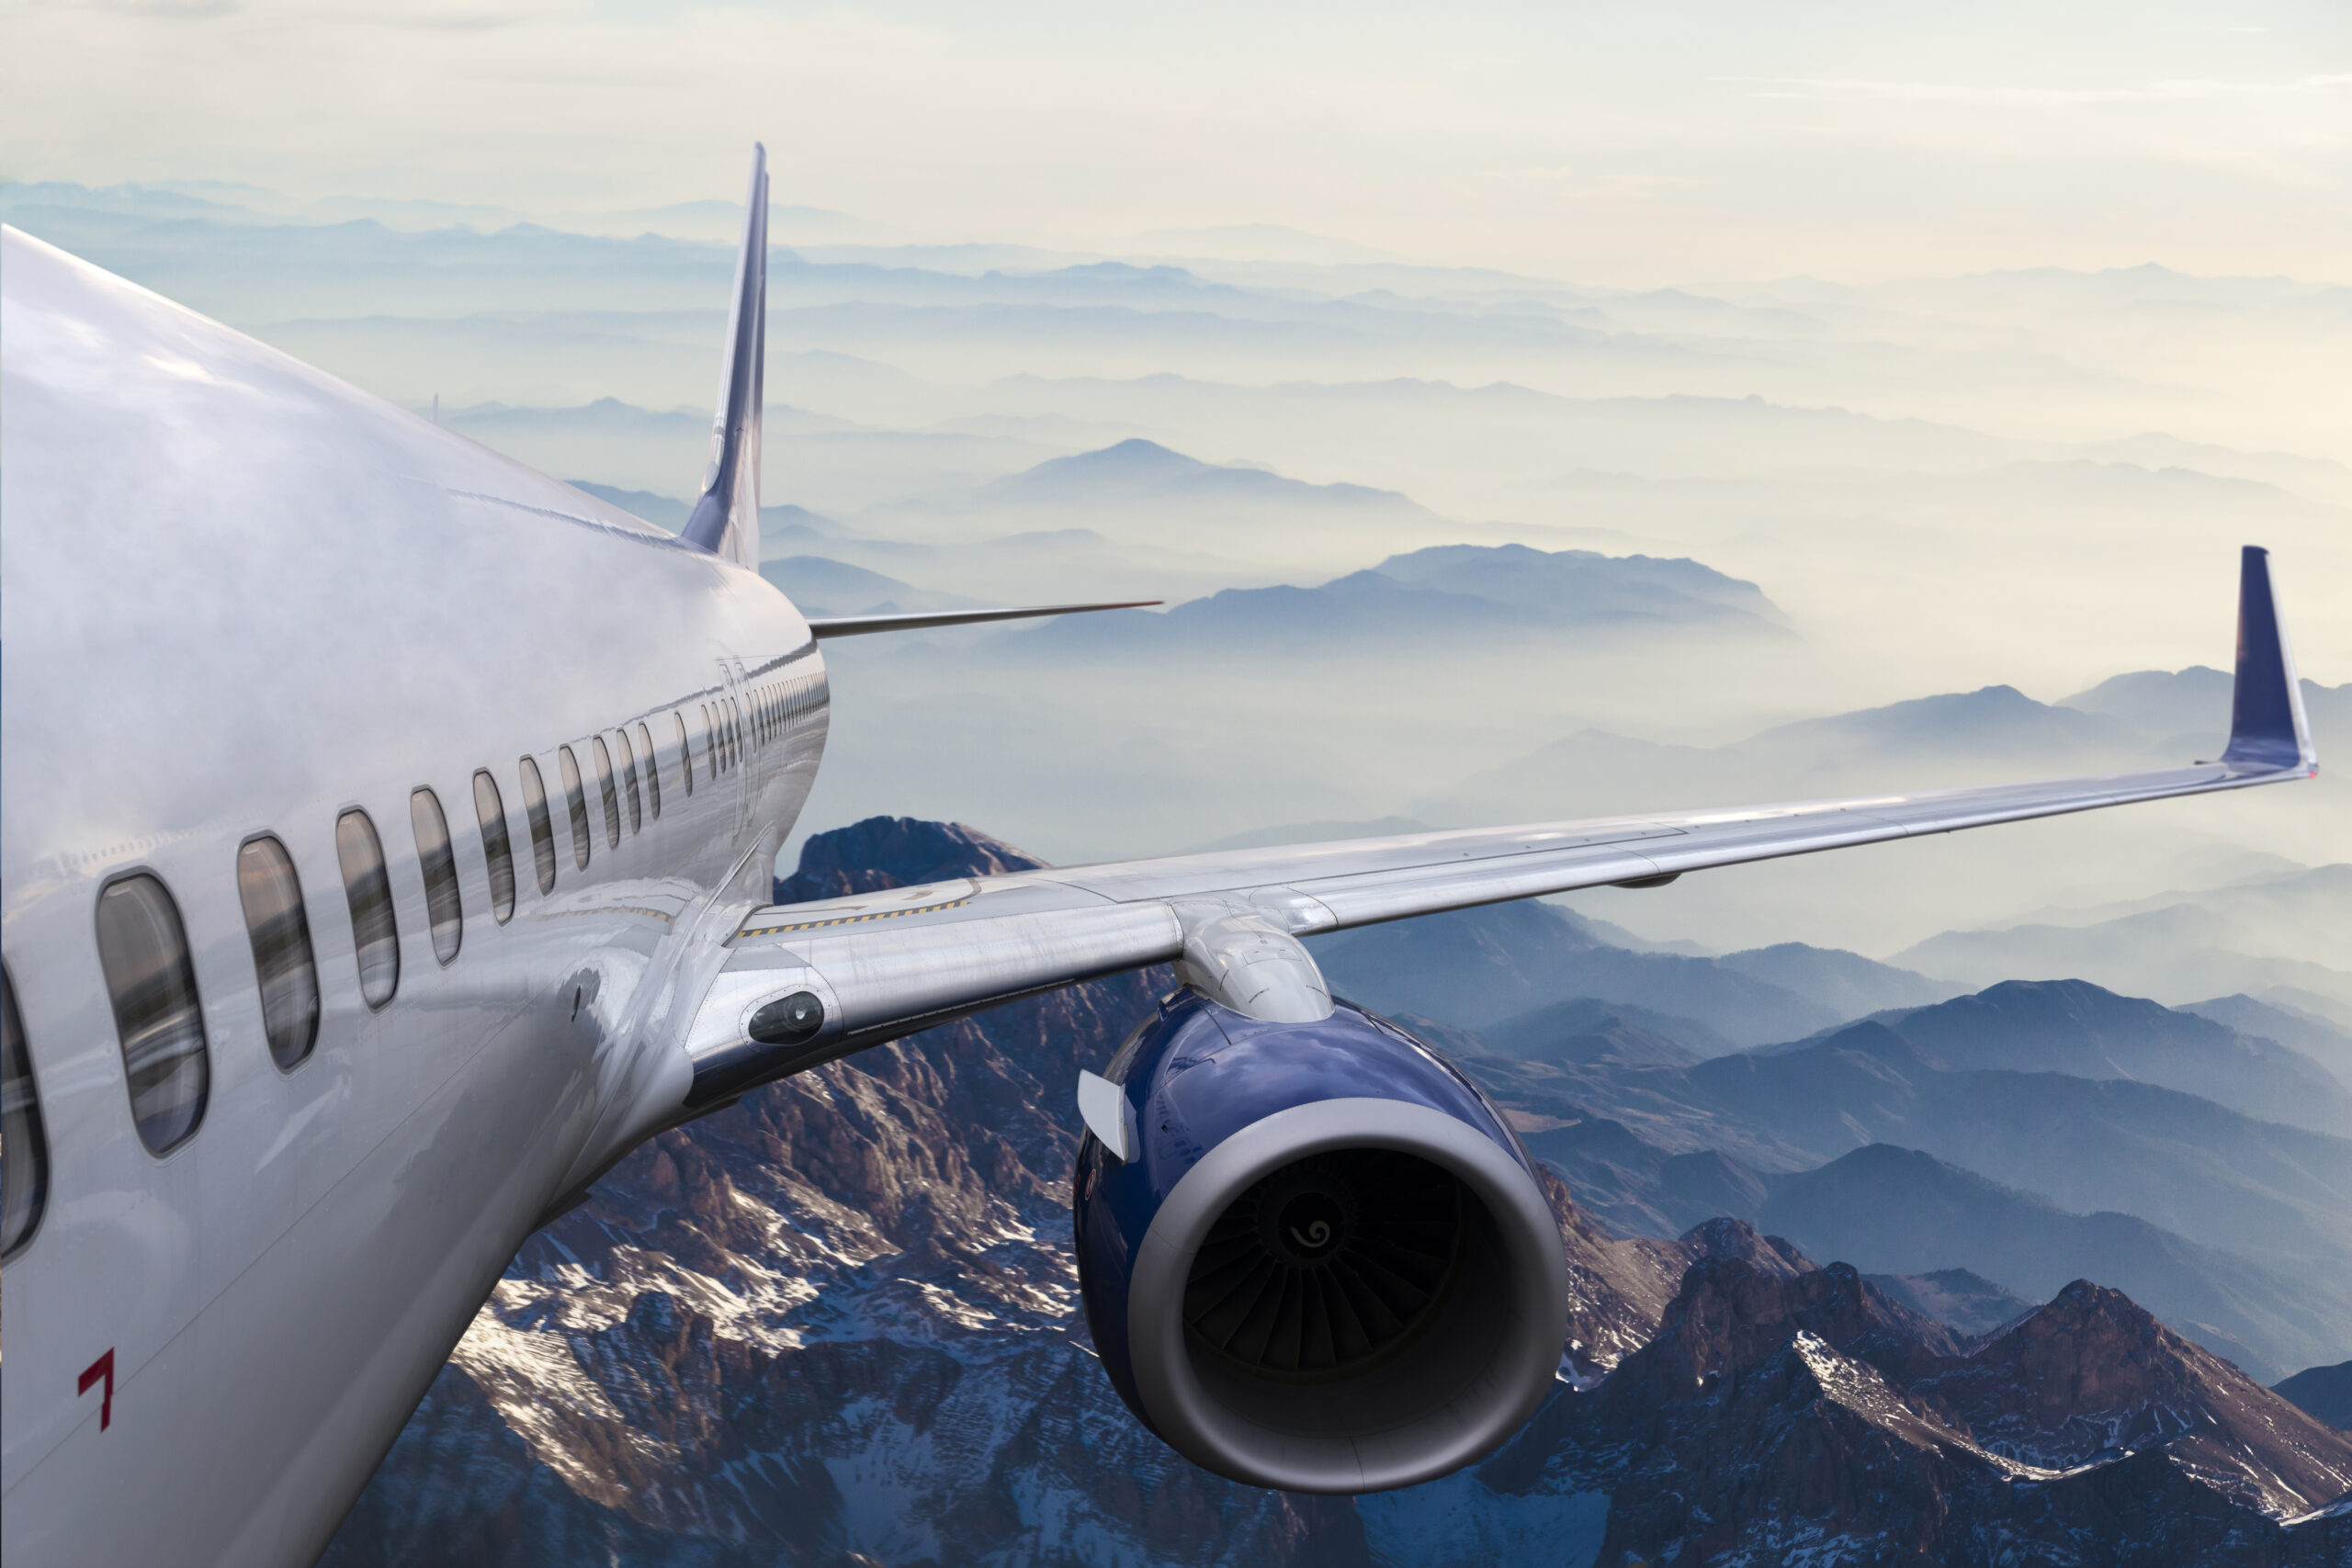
x: 837, y: 1322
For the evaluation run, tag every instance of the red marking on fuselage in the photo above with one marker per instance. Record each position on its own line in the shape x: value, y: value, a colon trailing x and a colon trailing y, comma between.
x: 103, y: 1368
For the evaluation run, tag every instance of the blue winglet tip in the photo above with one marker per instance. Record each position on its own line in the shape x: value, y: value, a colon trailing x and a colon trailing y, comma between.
x: 2267, y: 724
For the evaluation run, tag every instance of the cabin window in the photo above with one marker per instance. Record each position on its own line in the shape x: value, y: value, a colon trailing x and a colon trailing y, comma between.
x: 279, y: 929
x: 24, y: 1149
x: 495, y: 850
x: 443, y: 907
x: 653, y: 770
x: 605, y: 792
x: 686, y: 752
x: 628, y: 779
x: 534, y: 807
x: 142, y: 948
x: 734, y: 732
x: 375, y: 934
x: 709, y: 742
x: 568, y: 766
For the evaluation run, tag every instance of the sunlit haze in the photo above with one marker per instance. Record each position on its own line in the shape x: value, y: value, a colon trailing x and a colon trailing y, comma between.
x: 1622, y: 143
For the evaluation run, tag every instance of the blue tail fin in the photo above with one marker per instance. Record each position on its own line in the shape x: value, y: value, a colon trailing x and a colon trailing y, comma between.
x: 726, y: 521
x: 2267, y: 724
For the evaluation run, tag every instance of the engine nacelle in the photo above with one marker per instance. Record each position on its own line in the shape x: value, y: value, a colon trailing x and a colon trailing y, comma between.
x: 1326, y: 1264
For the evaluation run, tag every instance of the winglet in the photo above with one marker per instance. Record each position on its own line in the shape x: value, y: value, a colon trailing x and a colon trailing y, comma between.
x: 726, y: 521
x: 2267, y: 724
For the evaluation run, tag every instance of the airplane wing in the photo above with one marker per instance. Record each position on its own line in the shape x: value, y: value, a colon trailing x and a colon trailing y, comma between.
x: 803, y: 984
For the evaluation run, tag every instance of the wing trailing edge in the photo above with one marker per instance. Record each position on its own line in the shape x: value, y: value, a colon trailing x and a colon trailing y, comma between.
x: 726, y: 519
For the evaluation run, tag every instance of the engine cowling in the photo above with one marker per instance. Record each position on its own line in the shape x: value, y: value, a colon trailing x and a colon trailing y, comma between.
x: 1326, y: 1264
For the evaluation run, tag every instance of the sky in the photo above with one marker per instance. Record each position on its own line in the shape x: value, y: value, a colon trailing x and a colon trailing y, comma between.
x: 1608, y: 143
x: 1946, y: 480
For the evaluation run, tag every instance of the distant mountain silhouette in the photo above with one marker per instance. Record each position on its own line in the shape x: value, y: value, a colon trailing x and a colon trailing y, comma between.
x: 2326, y: 1042
x: 1639, y: 1189
x: 1989, y: 735
x: 2074, y: 1027
x: 2323, y: 1393
x: 1457, y: 592
x: 2196, y: 700
x: 1847, y: 982
x: 2280, y: 1194
x: 2288, y: 931
x: 1136, y: 469
x: 1476, y: 967
x: 2181, y: 1161
x: 1897, y: 1211
x: 1580, y: 584
x: 1998, y: 719
x: 819, y: 585
x: 1955, y: 1297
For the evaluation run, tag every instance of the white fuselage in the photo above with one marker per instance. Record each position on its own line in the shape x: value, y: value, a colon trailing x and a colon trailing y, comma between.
x: 236, y: 598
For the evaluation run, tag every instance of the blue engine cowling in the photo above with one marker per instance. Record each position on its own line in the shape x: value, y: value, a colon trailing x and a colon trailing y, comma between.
x: 1326, y: 1264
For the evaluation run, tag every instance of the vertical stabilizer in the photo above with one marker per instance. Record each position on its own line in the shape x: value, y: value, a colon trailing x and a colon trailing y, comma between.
x: 726, y: 520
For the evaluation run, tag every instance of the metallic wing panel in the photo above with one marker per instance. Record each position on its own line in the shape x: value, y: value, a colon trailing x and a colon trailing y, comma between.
x: 886, y: 964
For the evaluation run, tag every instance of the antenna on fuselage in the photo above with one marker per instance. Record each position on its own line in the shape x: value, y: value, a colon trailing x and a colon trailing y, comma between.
x: 726, y: 520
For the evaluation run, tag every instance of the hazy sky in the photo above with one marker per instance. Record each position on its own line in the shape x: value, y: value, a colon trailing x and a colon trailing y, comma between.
x: 1634, y: 141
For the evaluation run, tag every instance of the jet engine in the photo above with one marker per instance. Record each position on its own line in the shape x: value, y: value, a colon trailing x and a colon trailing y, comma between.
x: 1313, y: 1255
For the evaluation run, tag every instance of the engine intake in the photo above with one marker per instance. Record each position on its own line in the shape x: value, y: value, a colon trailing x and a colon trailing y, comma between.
x: 1327, y: 1266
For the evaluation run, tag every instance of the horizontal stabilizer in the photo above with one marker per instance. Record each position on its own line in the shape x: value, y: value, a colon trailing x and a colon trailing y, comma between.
x: 2266, y: 724
x: 858, y: 626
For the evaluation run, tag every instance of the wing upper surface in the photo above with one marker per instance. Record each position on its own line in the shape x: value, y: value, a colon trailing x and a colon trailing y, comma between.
x: 886, y: 964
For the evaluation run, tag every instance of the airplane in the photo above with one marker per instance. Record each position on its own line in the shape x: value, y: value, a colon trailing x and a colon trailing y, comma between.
x: 386, y: 851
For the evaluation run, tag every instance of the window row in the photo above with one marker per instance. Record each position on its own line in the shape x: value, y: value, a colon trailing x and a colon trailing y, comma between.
x: 150, y: 973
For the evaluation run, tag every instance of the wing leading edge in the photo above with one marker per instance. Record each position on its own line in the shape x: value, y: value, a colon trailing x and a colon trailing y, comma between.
x: 882, y: 966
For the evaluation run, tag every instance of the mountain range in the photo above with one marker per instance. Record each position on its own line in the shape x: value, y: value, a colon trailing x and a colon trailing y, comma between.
x: 1444, y: 595
x: 2279, y: 933
x: 1901, y: 1212
x: 836, y: 1323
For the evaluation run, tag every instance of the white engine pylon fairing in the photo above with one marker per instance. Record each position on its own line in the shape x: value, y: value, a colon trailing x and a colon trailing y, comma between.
x: 385, y: 851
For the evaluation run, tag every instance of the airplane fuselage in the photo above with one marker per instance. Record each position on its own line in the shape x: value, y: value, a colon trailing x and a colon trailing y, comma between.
x: 242, y: 600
